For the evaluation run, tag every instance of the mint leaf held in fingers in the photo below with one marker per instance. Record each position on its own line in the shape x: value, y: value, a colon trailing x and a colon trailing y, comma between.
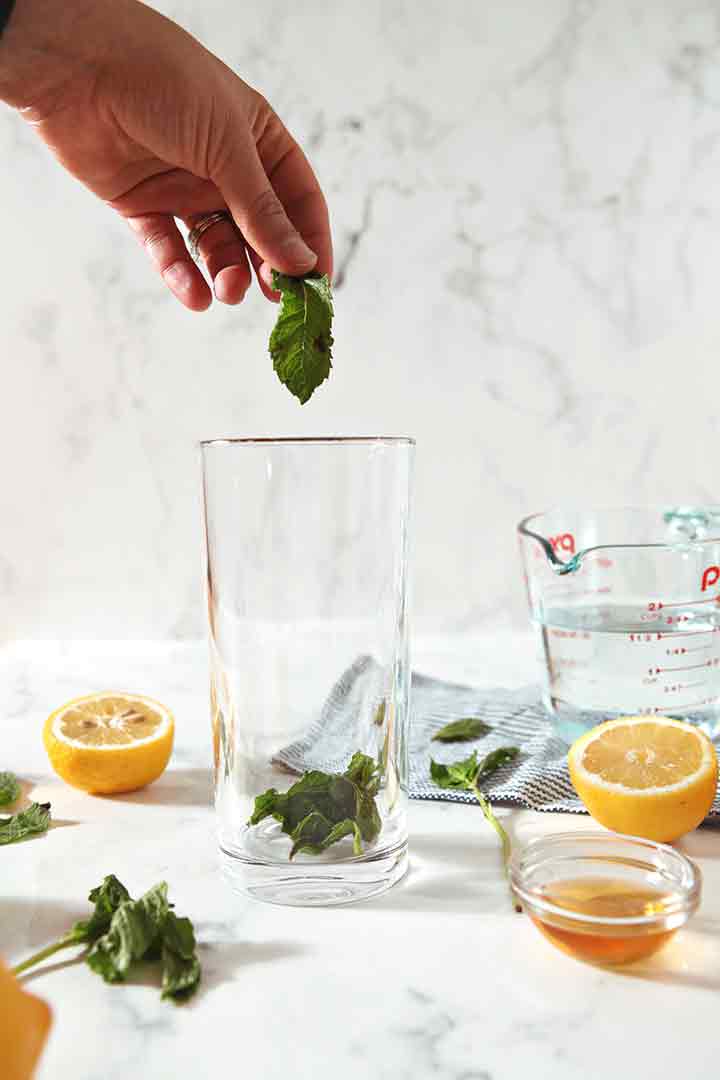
x: 470, y: 727
x: 301, y: 341
x: 30, y: 822
x: 466, y: 775
x: 10, y: 790
x: 321, y: 808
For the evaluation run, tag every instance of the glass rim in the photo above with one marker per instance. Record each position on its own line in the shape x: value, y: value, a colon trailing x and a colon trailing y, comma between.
x: 308, y: 440
x: 686, y: 877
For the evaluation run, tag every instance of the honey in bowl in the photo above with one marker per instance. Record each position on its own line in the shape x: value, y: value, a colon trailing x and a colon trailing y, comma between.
x: 602, y: 898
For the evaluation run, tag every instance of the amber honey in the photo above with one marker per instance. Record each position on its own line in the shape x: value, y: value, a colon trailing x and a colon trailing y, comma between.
x: 604, y: 898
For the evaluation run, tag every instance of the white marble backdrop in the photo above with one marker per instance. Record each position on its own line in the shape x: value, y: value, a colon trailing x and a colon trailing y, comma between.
x: 526, y: 206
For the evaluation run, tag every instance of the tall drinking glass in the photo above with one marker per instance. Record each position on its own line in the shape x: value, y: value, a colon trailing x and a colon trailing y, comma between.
x: 307, y: 547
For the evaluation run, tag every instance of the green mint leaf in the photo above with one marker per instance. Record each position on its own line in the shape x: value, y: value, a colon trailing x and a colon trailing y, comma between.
x: 362, y: 770
x: 36, y: 819
x: 322, y: 808
x: 368, y: 819
x: 107, y: 898
x: 270, y: 804
x: 494, y: 761
x: 316, y: 834
x: 458, y: 774
x: 10, y: 790
x: 470, y: 727
x: 301, y: 341
x: 467, y: 774
x: 180, y: 965
x: 134, y: 929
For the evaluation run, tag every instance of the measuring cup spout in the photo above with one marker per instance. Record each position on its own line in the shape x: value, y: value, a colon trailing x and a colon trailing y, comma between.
x: 554, y: 547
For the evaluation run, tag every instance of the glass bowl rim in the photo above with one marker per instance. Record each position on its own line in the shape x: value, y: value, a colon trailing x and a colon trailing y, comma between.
x: 687, y: 877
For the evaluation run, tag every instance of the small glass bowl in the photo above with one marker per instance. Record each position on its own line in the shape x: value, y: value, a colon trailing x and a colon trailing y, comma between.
x: 605, y: 898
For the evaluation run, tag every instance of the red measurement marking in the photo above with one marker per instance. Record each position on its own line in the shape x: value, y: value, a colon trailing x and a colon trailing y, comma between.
x: 684, y: 603
x: 690, y: 667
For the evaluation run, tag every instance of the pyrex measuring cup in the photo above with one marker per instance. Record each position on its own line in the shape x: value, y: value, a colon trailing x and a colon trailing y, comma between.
x: 627, y: 607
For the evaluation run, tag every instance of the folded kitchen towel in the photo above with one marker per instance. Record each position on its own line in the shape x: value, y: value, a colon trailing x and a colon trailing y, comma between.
x: 537, y: 779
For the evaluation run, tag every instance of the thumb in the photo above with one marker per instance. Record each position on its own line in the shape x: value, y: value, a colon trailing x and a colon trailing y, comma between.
x: 259, y: 214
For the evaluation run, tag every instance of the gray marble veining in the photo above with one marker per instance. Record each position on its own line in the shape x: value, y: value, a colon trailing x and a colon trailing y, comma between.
x: 525, y: 201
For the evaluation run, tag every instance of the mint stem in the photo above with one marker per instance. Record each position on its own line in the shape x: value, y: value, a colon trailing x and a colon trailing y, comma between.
x: 50, y: 950
x: 504, y: 838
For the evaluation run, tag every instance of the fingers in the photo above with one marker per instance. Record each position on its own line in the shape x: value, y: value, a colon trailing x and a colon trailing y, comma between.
x: 259, y: 213
x: 161, y: 238
x: 223, y: 252
x: 297, y: 188
x: 263, y: 274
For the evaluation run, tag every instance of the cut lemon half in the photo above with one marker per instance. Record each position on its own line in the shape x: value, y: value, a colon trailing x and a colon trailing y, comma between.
x: 108, y: 743
x: 647, y: 776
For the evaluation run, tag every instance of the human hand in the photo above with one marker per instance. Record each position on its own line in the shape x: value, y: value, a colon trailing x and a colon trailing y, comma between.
x: 159, y: 128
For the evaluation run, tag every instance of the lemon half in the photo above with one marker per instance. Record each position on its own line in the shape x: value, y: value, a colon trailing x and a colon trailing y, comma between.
x: 110, y: 742
x: 648, y: 776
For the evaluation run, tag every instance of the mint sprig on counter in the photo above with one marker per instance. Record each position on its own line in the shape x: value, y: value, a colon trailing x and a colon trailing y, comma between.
x: 322, y: 808
x: 10, y: 790
x: 467, y: 775
x: 35, y: 819
x: 301, y: 341
x: 122, y: 931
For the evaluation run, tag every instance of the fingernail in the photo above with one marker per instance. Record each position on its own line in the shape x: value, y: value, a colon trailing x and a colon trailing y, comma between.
x: 231, y: 284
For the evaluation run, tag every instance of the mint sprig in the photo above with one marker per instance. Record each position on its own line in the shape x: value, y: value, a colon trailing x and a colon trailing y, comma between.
x: 121, y: 931
x: 301, y: 341
x: 467, y: 775
x: 35, y: 819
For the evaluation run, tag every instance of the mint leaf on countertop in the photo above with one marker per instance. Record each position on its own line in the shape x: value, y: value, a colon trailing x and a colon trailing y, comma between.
x: 301, y: 341
x: 34, y: 820
x: 180, y: 965
x: 10, y: 790
x: 470, y: 727
x: 107, y: 898
x: 122, y: 931
x: 134, y: 929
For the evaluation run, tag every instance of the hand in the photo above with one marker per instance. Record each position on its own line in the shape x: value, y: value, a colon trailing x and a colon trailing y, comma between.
x: 159, y: 128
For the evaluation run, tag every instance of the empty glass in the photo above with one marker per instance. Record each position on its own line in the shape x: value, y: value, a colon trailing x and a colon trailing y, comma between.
x: 307, y: 545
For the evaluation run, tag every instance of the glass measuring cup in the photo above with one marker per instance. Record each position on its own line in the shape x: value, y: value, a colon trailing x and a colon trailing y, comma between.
x: 626, y: 603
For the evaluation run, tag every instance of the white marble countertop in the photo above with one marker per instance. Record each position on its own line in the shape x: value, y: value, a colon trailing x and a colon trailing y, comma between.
x: 437, y: 978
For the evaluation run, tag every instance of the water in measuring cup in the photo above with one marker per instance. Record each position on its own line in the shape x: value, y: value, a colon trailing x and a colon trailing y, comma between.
x: 605, y: 661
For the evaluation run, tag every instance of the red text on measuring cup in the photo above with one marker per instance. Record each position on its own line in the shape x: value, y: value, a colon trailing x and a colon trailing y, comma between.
x: 565, y: 542
x: 710, y: 577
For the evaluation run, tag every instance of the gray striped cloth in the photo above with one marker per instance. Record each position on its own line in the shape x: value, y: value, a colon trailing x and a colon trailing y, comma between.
x: 537, y: 779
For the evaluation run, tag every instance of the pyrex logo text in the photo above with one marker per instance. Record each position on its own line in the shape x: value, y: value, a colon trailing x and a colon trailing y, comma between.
x: 710, y: 577
x: 563, y: 542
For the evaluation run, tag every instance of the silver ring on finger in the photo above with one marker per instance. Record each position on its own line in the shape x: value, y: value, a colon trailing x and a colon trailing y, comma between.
x: 201, y: 227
